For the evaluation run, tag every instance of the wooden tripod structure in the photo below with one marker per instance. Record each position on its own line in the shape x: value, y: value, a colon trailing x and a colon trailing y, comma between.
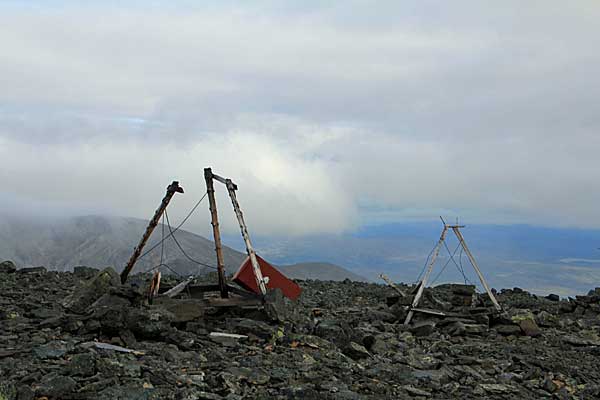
x: 436, y: 252
x: 247, y: 298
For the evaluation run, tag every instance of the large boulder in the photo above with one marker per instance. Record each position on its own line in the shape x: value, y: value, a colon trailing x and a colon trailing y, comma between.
x: 7, y: 267
x: 356, y: 351
x: 86, y: 294
x: 526, y: 321
x: 247, y: 326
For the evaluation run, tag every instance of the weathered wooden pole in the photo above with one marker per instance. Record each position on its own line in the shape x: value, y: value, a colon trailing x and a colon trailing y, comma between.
x: 171, y: 190
x: 214, y: 221
x: 260, y: 281
x: 476, y: 267
x: 392, y: 285
x: 423, y: 283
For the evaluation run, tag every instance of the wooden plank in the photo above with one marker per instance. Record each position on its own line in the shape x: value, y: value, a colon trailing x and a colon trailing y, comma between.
x: 177, y: 289
x: 428, y: 311
x: 243, y: 293
x: 197, y: 291
x: 423, y: 282
x: 459, y: 235
x: 214, y: 221
x: 233, y: 302
x: 171, y: 190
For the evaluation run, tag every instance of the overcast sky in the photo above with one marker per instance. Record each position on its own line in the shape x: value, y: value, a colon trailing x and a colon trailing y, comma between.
x: 327, y: 116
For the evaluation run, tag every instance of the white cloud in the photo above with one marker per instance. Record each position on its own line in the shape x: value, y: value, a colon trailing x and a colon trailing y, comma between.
x: 326, y: 116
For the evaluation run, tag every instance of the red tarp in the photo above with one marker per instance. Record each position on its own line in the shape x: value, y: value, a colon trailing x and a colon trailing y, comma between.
x: 245, y: 278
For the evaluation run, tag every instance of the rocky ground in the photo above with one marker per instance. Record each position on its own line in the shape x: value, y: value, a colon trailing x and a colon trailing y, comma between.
x: 82, y: 335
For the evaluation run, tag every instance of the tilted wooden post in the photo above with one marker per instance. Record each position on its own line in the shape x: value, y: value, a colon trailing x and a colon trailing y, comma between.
x: 260, y: 281
x: 171, y: 190
x: 212, y: 204
x: 476, y: 267
x: 423, y: 283
x: 392, y: 285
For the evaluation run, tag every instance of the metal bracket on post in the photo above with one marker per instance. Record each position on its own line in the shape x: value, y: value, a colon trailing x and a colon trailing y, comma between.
x: 212, y: 204
x: 171, y: 190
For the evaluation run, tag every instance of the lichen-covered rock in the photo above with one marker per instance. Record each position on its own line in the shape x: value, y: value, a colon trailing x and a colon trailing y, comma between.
x: 7, y: 267
x: 85, y: 295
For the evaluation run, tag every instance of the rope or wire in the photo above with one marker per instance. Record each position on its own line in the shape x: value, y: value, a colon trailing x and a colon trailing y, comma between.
x: 163, y: 265
x: 462, y: 269
x: 447, y: 262
x: 459, y: 268
x: 176, y: 228
x: 181, y: 248
x: 426, y: 262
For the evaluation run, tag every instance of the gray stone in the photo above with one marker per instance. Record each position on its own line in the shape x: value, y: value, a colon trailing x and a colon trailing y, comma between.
x: 25, y: 393
x: 7, y: 391
x: 7, y: 267
x: 56, y: 386
x: 545, y: 319
x: 553, y: 297
x: 356, y: 351
x: 330, y: 330
x: 82, y: 365
x: 85, y: 295
x: 247, y: 326
x: 507, y: 330
x: 497, y: 388
x: 413, y: 391
x: 52, y: 350
x: 183, y: 310
x: 456, y: 328
x: 85, y: 272
x: 529, y: 327
x: 422, y: 328
x: 475, y: 329
x: 32, y: 270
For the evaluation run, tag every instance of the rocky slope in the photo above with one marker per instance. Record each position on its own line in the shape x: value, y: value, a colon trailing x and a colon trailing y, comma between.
x: 82, y: 335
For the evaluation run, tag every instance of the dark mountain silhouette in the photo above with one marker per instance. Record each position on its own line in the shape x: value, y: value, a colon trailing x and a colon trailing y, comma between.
x: 100, y: 241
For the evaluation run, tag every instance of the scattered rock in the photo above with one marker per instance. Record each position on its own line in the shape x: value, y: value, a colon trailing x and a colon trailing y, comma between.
x: 7, y: 267
x: 341, y: 340
x: 82, y: 365
x: 422, y: 328
x: 356, y: 351
x: 32, y: 270
x: 553, y: 297
x: 56, y: 386
x: 85, y: 295
x: 507, y: 330
x: 526, y: 321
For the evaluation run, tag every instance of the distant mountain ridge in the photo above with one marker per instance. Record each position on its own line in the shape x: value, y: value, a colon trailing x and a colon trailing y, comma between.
x: 325, y: 272
x: 100, y: 241
x: 539, y: 259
